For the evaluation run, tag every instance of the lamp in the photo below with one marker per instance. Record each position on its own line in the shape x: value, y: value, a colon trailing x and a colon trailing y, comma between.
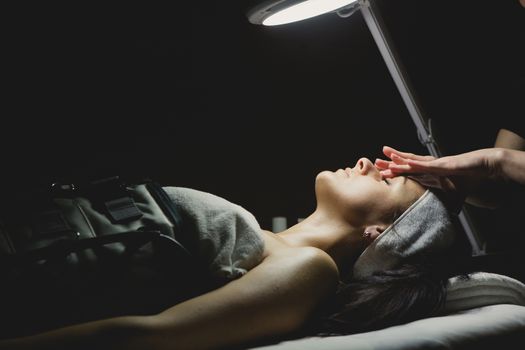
x: 278, y: 12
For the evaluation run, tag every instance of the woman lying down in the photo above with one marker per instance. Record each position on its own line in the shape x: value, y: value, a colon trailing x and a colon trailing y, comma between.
x: 341, y: 270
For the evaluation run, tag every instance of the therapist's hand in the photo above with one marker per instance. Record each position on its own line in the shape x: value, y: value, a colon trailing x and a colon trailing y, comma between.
x: 398, y: 165
x: 481, y: 163
x: 402, y: 163
x: 461, y: 173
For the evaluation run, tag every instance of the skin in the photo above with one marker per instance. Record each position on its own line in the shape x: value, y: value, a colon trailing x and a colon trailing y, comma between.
x: 351, y: 201
x: 508, y: 139
x: 301, y: 267
x: 468, y: 173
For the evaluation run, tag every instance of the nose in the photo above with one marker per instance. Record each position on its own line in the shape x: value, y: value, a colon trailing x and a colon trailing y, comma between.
x: 365, y: 167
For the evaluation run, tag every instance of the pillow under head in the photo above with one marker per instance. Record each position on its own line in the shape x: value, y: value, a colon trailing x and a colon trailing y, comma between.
x: 481, y: 289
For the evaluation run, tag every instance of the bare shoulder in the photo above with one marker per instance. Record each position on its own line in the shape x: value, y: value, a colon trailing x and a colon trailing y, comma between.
x: 308, y: 265
x: 278, y: 251
x: 275, y: 297
x: 310, y: 258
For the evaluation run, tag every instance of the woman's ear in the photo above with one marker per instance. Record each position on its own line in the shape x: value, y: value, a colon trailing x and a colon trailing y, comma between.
x: 373, y: 231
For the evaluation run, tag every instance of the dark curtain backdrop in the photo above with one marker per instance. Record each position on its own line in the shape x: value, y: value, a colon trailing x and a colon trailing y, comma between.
x: 193, y: 95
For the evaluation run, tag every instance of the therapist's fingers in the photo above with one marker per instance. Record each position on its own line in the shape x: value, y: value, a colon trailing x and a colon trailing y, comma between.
x: 406, y: 163
x: 387, y: 174
x: 385, y: 168
x: 398, y: 159
x: 436, y: 167
x: 401, y: 168
x: 393, y: 168
x: 381, y: 164
x: 389, y: 151
x: 410, y: 165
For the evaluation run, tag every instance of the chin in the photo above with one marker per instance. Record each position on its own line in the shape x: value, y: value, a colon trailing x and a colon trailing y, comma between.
x: 324, y: 185
x: 324, y: 175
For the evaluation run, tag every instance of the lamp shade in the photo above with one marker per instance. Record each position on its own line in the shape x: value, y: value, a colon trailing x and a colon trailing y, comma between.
x: 276, y: 12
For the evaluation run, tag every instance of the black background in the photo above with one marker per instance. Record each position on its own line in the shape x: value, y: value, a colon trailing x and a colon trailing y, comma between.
x: 194, y: 95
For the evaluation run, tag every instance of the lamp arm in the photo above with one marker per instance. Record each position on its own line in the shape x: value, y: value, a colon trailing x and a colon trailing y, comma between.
x: 379, y: 33
x: 377, y: 29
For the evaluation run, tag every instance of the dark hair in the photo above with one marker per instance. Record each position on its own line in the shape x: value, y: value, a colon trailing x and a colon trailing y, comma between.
x: 414, y: 290
x: 407, y: 293
x: 387, y: 298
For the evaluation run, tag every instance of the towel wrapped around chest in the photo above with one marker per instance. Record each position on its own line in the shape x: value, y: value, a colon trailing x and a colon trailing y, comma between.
x: 228, y: 237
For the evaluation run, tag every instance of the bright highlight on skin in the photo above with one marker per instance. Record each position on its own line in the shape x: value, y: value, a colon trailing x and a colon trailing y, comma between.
x: 304, y: 10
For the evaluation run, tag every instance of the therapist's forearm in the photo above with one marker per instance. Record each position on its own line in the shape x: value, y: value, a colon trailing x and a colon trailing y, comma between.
x: 508, y: 170
x: 512, y: 165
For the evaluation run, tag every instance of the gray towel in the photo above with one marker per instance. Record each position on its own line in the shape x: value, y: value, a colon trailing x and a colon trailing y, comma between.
x: 229, y: 237
x: 426, y: 227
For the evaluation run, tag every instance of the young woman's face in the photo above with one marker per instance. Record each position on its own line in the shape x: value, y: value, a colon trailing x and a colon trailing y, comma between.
x: 362, y: 197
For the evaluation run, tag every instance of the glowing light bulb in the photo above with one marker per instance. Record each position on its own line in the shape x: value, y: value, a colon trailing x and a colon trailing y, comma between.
x: 304, y: 10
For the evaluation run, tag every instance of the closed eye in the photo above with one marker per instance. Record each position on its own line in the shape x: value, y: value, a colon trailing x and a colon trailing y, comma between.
x: 387, y: 182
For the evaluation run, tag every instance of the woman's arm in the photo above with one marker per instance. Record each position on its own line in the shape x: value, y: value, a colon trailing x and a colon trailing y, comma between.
x: 274, y: 298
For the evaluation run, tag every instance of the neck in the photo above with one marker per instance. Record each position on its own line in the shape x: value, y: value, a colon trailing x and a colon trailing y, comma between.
x: 339, y: 239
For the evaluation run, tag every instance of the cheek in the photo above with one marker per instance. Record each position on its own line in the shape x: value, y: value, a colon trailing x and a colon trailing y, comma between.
x: 354, y: 199
x: 358, y: 201
x: 332, y: 190
x: 365, y: 199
